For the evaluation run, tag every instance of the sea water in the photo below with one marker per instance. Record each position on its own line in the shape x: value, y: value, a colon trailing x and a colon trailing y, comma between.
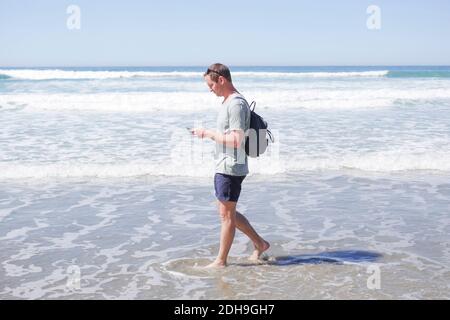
x: 104, y: 194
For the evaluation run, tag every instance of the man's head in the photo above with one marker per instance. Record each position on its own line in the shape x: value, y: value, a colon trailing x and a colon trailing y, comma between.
x: 218, y: 79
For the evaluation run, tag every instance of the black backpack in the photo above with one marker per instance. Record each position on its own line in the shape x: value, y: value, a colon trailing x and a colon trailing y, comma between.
x: 256, y: 140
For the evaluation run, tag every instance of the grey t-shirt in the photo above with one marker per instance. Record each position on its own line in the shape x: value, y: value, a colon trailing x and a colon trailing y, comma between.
x: 234, y: 114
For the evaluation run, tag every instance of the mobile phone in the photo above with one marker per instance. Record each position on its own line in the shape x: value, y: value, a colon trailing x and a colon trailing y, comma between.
x: 189, y: 129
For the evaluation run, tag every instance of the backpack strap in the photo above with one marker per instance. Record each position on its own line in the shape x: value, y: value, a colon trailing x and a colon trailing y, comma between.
x: 267, y: 130
x: 252, y: 104
x: 249, y: 106
x: 251, y: 110
x: 270, y: 136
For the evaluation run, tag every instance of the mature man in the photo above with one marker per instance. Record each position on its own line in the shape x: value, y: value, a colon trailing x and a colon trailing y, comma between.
x: 232, y: 164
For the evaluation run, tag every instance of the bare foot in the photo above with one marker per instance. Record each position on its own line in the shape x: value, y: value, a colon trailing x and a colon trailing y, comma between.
x: 259, y: 249
x: 215, y: 264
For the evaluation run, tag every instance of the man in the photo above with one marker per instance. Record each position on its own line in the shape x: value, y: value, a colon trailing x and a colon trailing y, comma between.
x: 232, y: 163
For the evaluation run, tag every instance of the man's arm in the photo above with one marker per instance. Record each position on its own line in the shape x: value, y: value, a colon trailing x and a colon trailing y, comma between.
x: 233, y: 139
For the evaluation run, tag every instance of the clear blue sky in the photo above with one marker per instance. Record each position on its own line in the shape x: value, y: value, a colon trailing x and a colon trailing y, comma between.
x: 244, y: 32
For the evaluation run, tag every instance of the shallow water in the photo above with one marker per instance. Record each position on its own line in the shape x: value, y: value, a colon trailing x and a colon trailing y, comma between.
x: 147, y: 238
x: 104, y: 194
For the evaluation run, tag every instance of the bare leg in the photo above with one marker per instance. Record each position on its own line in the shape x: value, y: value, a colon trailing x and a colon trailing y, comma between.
x: 243, y: 225
x: 227, y: 211
x: 260, y: 244
x: 230, y: 219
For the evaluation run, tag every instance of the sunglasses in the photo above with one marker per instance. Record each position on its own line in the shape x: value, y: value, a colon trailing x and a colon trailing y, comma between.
x: 214, y: 71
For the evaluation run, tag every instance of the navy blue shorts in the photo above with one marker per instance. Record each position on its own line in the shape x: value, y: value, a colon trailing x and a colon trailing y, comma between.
x: 228, y: 188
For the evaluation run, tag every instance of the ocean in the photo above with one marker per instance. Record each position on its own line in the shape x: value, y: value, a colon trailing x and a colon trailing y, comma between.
x: 104, y: 194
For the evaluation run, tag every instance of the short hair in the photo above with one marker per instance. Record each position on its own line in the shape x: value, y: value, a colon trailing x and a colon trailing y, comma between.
x: 216, y: 70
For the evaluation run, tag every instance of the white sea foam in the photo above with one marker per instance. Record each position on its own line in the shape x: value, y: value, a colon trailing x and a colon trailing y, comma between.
x: 375, y: 162
x: 75, y: 170
x: 196, y: 101
x: 31, y: 74
x: 111, y: 102
x: 338, y: 74
x: 372, y: 162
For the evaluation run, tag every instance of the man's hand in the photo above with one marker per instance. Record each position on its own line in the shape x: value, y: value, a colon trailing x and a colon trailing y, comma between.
x: 232, y: 139
x: 199, y: 132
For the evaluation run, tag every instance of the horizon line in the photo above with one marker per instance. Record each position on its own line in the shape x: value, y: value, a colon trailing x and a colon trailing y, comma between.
x: 230, y: 65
